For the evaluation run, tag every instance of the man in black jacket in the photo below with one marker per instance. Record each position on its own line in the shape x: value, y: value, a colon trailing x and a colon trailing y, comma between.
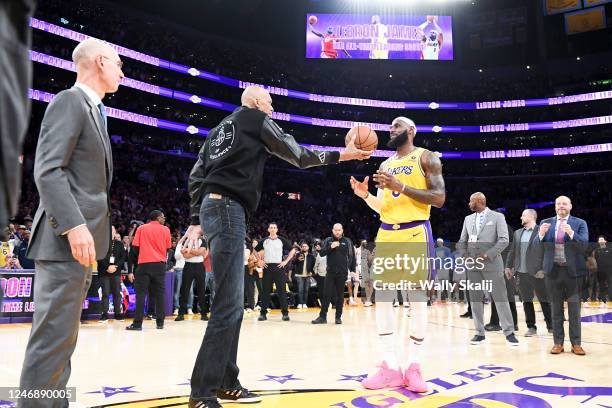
x: 109, y: 275
x: 340, y: 260
x: 225, y: 186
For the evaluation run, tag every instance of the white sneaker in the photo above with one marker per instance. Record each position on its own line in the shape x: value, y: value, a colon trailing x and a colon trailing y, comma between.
x: 249, y: 310
x: 175, y: 312
x: 304, y: 306
x: 299, y: 306
x: 395, y: 304
x: 189, y: 311
x: 406, y: 305
x: 352, y: 302
x: 258, y: 308
x: 367, y: 304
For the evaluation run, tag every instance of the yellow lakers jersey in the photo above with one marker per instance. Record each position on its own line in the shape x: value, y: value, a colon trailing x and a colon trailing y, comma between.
x: 6, y: 249
x: 396, y: 207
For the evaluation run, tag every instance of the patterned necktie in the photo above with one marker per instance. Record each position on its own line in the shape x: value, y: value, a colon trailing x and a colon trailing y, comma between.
x: 102, y: 110
x: 560, y: 232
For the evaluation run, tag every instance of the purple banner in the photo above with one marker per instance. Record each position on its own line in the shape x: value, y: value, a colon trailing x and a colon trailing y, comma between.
x: 361, y: 36
x: 287, y: 117
x: 493, y: 154
x: 344, y: 100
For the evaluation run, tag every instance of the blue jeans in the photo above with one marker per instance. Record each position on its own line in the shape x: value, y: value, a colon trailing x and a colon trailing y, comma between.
x: 209, y: 282
x: 178, y: 280
x: 303, y: 286
x: 224, y: 223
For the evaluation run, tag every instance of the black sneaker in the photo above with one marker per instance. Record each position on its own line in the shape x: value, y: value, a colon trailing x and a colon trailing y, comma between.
x: 466, y: 315
x: 103, y: 319
x: 286, y: 318
x: 492, y: 327
x: 319, y: 320
x: 134, y: 327
x: 239, y: 395
x: 262, y: 317
x: 204, y: 317
x: 512, y: 340
x: 160, y: 326
x: 149, y: 317
x: 338, y: 320
x: 120, y: 318
x: 179, y: 318
x: 204, y: 404
x: 476, y: 340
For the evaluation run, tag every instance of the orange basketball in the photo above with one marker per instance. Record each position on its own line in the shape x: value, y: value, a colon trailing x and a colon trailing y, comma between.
x: 366, y: 138
x: 312, y: 20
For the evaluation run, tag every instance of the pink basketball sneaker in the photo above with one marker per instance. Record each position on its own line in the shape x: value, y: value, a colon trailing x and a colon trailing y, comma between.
x: 384, y: 378
x: 413, y: 379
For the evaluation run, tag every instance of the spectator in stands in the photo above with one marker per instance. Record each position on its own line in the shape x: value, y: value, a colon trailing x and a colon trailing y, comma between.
x: 21, y: 250
x: 304, y: 269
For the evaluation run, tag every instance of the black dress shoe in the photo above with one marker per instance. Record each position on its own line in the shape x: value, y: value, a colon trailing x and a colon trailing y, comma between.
x: 179, y: 318
x: 262, y: 317
x: 286, y: 318
x: 204, y: 317
x: 493, y: 327
x: 134, y: 327
x: 319, y: 320
x: 160, y: 326
x: 204, y: 404
x: 516, y: 327
x: 338, y: 320
x: 466, y: 314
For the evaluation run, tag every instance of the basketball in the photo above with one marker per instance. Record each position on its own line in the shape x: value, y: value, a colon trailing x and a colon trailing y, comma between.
x: 312, y: 20
x: 430, y: 19
x: 366, y: 138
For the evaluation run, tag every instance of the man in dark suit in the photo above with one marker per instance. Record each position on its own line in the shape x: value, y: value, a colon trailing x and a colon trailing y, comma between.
x: 72, y: 227
x: 525, y: 262
x: 564, y: 241
x: 15, y: 79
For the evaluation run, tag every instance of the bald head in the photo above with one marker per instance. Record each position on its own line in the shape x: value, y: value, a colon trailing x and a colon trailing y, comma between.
x: 478, y: 202
x: 98, y: 66
x: 563, y: 206
x: 256, y: 97
x: 88, y: 50
x: 337, y: 230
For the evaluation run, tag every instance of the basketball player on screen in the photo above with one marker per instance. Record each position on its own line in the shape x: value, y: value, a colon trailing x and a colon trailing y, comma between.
x: 379, y: 40
x: 432, y: 39
x: 327, y: 43
x: 409, y: 183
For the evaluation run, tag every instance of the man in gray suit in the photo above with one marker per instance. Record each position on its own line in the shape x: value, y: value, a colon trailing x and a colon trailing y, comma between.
x: 525, y: 261
x: 483, y: 237
x: 15, y: 79
x: 72, y: 226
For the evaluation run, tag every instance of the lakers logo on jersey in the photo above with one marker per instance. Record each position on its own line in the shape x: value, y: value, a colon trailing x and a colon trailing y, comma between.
x: 397, y: 207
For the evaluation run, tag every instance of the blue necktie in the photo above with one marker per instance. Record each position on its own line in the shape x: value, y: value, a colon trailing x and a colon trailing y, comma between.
x: 102, y: 110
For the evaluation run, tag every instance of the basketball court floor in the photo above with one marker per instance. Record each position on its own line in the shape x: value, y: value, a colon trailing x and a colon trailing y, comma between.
x: 296, y: 364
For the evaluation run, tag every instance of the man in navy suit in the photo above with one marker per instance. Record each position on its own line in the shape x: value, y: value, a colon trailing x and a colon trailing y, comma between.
x: 565, y: 240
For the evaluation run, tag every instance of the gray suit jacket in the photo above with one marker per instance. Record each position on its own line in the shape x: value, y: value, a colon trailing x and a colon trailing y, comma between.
x: 534, y: 252
x: 16, y: 78
x: 73, y: 172
x: 492, y: 240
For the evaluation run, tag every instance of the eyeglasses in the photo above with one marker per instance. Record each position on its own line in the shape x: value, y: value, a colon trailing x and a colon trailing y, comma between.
x: 118, y: 63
